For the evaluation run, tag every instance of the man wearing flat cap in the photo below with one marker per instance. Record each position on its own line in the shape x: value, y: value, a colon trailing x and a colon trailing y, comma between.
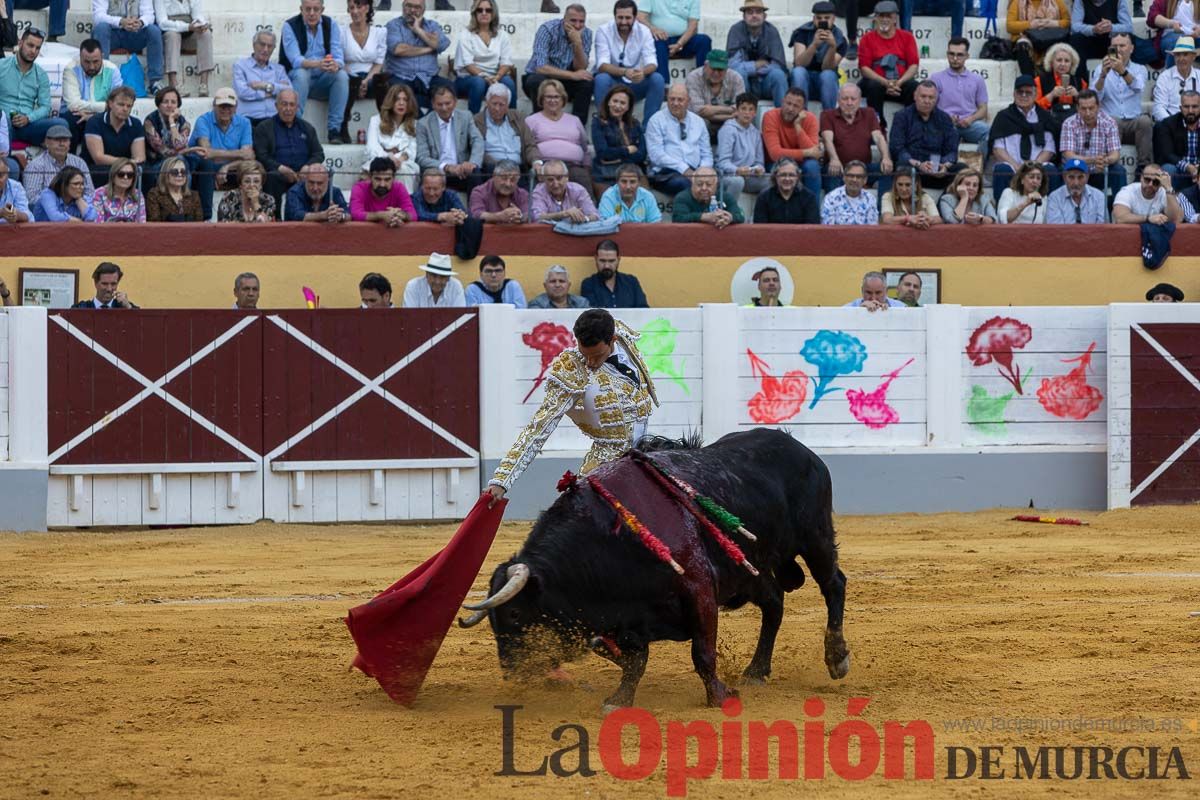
x: 1021, y: 133
x: 1165, y: 293
x: 817, y: 49
x: 713, y: 90
x: 887, y: 58
x: 437, y: 288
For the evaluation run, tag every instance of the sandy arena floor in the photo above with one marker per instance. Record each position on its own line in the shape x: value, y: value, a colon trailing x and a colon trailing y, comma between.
x: 211, y: 663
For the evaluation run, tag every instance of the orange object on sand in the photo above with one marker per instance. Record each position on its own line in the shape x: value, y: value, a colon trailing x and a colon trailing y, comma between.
x: 1048, y: 520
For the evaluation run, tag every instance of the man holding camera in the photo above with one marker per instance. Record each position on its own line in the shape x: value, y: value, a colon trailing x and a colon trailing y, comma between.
x: 1119, y: 83
x: 817, y: 49
x: 1152, y: 200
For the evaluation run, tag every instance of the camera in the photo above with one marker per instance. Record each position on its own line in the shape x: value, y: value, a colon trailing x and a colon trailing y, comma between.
x: 823, y: 25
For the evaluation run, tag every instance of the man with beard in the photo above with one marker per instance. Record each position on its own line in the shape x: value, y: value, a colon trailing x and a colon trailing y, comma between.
x: 494, y: 286
x: 602, y: 384
x: 1021, y: 133
x: 625, y: 53
x: 558, y: 291
x: 1177, y: 141
x: 888, y: 60
x: 381, y: 198
x: 1075, y: 202
x: 312, y: 199
x: 908, y: 289
x: 86, y: 82
x: 610, y: 288
x: 25, y: 91
x: 756, y: 53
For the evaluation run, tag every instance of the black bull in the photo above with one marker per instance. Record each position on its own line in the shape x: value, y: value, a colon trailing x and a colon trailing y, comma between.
x: 576, y: 583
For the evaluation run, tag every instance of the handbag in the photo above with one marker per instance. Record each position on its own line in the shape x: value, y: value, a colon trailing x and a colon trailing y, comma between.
x: 1044, y: 38
x: 994, y: 47
x: 8, y: 31
x: 134, y: 76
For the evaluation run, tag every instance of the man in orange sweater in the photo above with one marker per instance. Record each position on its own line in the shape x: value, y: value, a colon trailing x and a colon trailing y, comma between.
x: 792, y: 131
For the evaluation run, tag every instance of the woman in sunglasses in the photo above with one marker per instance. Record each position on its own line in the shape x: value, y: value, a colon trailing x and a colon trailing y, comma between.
x: 483, y: 57
x: 171, y: 200
x: 120, y: 200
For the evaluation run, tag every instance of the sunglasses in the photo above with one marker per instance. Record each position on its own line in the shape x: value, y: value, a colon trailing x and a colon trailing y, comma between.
x: 483, y: 11
x: 32, y: 31
x: 125, y: 174
x: 177, y: 173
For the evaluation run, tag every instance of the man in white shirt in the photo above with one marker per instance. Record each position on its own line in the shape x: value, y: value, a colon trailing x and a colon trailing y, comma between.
x: 874, y: 294
x: 1153, y: 200
x: 676, y: 144
x: 1176, y: 80
x: 437, y: 288
x: 625, y: 53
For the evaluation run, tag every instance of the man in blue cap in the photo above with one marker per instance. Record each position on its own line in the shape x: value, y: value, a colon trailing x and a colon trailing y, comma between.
x: 1076, y: 202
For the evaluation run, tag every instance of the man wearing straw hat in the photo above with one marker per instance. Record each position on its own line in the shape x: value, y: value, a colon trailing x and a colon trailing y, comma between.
x: 437, y: 288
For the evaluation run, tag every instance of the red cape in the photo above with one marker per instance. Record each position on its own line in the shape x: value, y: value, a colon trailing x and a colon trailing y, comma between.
x: 399, y: 632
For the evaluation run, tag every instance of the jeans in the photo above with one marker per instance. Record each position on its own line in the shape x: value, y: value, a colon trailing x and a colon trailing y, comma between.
x: 474, y: 88
x: 670, y: 182
x: 810, y: 176
x: 148, y: 38
x: 697, y: 46
x: 652, y: 88
x: 1003, y: 172
x: 732, y: 186
x: 772, y: 84
x: 817, y: 85
x: 954, y: 9
x: 1180, y: 180
x: 58, y: 13
x: 974, y: 133
x: 331, y: 86
x: 34, y: 132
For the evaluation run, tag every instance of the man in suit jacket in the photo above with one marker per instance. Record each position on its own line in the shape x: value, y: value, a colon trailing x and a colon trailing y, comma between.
x: 449, y: 127
x: 285, y: 144
x: 504, y: 132
x: 107, y: 276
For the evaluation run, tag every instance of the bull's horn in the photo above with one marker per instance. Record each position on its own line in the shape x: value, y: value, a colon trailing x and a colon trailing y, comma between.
x: 518, y: 576
x: 473, y: 620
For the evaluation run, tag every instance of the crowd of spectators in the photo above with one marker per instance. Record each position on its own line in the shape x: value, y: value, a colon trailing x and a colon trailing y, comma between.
x: 704, y: 147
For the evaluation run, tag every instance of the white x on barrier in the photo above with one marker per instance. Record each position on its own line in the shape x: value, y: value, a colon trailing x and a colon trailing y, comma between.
x: 1191, y: 440
x: 155, y: 388
x: 372, y: 385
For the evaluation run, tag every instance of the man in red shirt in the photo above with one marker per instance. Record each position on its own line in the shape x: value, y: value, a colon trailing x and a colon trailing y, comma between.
x: 791, y: 131
x: 847, y: 133
x: 887, y: 57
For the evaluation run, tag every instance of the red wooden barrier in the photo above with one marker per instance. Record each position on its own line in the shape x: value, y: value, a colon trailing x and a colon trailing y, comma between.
x: 1165, y: 416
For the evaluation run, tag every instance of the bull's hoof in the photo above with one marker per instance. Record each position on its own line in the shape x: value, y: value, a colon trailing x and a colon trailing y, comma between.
x: 719, y: 693
x: 839, y: 670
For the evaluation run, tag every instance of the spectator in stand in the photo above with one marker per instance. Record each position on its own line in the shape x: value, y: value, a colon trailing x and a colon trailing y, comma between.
x: 392, y: 133
x: 1177, y: 142
x: 740, y: 160
x: 908, y: 289
x: 505, y: 133
x: 625, y: 54
x: 851, y: 203
x: 247, y: 202
x: 1076, y: 202
x: 364, y: 46
x: 908, y: 204
x: 285, y: 145
x: 312, y: 54
x: 617, y: 136
x: 185, y: 18
x: 257, y: 80
x: 785, y: 202
x: 1020, y: 133
x: 962, y: 94
x: 312, y: 199
x: 874, y: 291
x: 119, y: 200
x: 1169, y: 21
x: 965, y: 202
x: 756, y: 52
x: 374, y: 291
x: 14, y: 204
x: 493, y: 286
x: 129, y: 25
x: 628, y: 200
x: 1165, y: 293
x: 1024, y: 199
x: 86, y: 82
x: 1093, y: 23
x: 106, y: 277
x: 701, y: 204
x: 712, y: 90
x: 64, y: 200
x: 58, y: 13
x: 609, y: 287
x: 925, y: 138
x: 438, y: 288
x: 561, y: 50
x: 792, y: 131
x: 674, y: 24
x: 167, y: 134
x: 435, y: 204
x: 25, y: 91
x: 556, y: 198
x: 1119, y: 84
x: 1059, y: 85
x: 1091, y: 135
x: 1151, y: 200
x: 1174, y: 81
x: 226, y: 139
x: 847, y: 133
x: 560, y: 135
x: 114, y: 134
x: 449, y: 140
x: 40, y: 172
x: 484, y: 56
x: 1034, y: 27
x: 558, y: 291
x: 888, y: 60
x: 676, y: 144
x: 5, y: 153
x: 501, y: 200
x: 171, y: 200
x: 381, y: 198
x: 246, y: 291
x: 413, y: 45
x: 818, y: 47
